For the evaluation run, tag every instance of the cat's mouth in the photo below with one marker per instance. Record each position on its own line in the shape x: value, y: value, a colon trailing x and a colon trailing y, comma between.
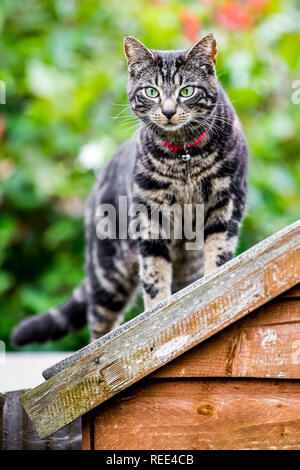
x: 171, y: 126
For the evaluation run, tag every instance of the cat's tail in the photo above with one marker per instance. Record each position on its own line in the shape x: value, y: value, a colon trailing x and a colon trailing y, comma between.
x: 54, y: 324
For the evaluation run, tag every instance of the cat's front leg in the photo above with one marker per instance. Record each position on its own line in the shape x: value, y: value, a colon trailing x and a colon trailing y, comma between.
x: 155, y: 271
x: 218, y: 249
x: 220, y: 235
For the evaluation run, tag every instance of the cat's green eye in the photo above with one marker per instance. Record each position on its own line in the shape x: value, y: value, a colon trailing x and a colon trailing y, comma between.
x: 152, y: 92
x: 186, y: 91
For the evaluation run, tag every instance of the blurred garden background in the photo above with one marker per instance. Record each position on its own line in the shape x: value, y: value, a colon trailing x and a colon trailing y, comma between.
x: 65, y: 74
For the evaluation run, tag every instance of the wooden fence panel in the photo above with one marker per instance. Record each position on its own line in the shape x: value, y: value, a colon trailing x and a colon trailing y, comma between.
x: 1, y: 420
x: 17, y: 431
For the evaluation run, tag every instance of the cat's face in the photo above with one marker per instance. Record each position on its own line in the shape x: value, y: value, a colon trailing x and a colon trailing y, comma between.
x: 172, y: 90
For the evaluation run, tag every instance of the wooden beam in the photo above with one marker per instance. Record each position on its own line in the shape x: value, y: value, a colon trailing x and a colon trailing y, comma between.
x: 124, y: 356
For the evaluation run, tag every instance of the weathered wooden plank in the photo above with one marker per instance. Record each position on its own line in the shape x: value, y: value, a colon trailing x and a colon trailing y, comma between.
x: 266, y: 344
x: 149, y: 341
x: 206, y: 414
x: 30, y: 438
x: 18, y: 433
x: 1, y: 419
x: 12, y: 422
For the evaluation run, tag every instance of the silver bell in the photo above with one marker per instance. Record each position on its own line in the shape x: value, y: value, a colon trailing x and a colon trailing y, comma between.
x: 186, y: 157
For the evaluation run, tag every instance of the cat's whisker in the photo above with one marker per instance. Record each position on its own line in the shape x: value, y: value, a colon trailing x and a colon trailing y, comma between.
x: 120, y: 104
x: 222, y: 119
x: 220, y: 74
x: 120, y: 114
x: 114, y: 118
x: 126, y: 119
x: 217, y: 124
x: 226, y: 104
x: 129, y: 125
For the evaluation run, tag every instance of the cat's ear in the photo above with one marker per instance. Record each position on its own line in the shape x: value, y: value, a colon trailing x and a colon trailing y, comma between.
x: 136, y: 53
x: 205, y: 48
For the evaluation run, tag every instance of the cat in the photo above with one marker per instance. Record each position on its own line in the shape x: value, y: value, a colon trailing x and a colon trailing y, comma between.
x: 190, y: 149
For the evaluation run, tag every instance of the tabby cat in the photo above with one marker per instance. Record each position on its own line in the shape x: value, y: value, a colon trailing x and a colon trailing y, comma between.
x: 190, y: 149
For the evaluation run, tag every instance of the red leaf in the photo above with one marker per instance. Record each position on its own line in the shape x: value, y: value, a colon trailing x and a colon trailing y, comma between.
x: 191, y: 25
x: 2, y: 127
x: 234, y: 16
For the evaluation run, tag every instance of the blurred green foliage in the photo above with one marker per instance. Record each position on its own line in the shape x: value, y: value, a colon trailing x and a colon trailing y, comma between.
x: 65, y: 74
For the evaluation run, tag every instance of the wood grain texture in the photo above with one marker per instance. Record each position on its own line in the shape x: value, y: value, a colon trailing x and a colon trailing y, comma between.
x: 265, y: 344
x: 148, y: 342
x: 18, y: 433
x: 214, y: 414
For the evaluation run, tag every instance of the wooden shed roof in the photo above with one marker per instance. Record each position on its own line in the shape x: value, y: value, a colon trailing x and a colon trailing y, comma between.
x: 114, y: 362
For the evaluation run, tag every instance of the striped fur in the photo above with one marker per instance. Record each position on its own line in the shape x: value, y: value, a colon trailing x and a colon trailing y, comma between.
x: 147, y: 172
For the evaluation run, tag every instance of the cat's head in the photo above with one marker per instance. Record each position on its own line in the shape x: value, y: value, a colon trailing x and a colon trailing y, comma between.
x: 172, y: 90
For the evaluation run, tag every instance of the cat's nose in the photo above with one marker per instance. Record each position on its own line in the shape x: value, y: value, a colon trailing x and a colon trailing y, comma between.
x: 169, y: 112
x: 168, y: 108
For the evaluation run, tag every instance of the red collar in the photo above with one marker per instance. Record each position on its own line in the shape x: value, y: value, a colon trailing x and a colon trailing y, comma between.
x: 175, y: 148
